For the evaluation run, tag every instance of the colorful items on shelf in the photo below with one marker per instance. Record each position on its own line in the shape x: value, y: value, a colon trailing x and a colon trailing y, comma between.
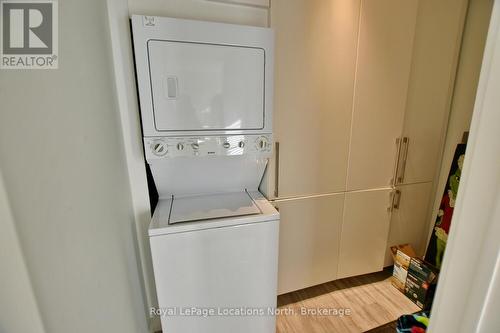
x: 416, y: 323
x: 437, y: 244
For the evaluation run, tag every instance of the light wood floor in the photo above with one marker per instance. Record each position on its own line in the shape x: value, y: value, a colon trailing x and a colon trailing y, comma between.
x: 371, y: 299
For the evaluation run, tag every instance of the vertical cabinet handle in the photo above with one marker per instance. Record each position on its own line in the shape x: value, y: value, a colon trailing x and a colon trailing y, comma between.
x: 277, y: 169
x: 396, y: 165
x: 401, y: 171
x: 396, y: 199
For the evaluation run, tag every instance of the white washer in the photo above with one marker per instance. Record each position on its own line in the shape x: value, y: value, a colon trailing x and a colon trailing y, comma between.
x: 205, y: 92
x: 224, y: 265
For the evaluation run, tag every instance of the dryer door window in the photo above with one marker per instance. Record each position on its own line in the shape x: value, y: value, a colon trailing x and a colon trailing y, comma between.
x: 206, y: 87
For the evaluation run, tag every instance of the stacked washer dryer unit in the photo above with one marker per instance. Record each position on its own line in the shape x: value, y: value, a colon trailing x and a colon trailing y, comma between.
x: 206, y: 106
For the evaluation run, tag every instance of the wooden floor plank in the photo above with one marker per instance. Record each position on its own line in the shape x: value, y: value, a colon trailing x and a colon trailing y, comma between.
x: 371, y: 298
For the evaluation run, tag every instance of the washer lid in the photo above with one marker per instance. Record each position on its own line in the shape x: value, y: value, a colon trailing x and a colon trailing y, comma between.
x: 204, y: 207
x: 160, y: 222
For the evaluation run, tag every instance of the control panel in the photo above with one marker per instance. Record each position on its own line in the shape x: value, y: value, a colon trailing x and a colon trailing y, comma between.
x: 233, y: 145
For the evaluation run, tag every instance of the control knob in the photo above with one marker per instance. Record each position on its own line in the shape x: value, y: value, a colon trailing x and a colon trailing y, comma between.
x: 159, y: 148
x: 180, y: 146
x: 195, y: 146
x: 262, y: 143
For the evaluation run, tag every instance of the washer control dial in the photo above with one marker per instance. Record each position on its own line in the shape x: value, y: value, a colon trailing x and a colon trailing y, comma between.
x: 262, y: 143
x: 225, y: 145
x: 159, y: 148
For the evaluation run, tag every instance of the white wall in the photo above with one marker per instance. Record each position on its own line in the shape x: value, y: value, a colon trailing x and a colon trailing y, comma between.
x: 464, y: 95
x: 63, y: 164
x: 467, y: 297
x: 18, y: 308
x: 227, y: 11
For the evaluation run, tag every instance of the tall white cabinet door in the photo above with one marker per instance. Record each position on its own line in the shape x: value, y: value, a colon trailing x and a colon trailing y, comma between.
x: 409, y: 218
x: 387, y: 29
x: 315, y: 57
x: 435, y: 55
x: 364, y: 232
x: 309, y: 241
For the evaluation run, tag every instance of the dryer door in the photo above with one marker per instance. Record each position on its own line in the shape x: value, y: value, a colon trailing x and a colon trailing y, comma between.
x: 206, y: 87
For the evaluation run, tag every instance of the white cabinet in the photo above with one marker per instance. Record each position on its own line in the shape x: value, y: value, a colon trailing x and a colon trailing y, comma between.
x: 434, y: 63
x: 309, y: 241
x: 351, y: 77
x: 385, y: 47
x: 364, y: 232
x: 315, y: 58
x: 409, y: 217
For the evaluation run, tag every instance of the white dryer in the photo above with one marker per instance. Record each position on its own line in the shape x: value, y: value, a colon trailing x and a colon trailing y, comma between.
x: 206, y: 108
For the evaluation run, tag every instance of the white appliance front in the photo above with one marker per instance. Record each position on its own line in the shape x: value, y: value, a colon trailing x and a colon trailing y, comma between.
x: 203, y: 78
x: 217, y: 275
x: 201, y: 86
x: 218, y: 280
x: 205, y: 92
x: 198, y: 165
